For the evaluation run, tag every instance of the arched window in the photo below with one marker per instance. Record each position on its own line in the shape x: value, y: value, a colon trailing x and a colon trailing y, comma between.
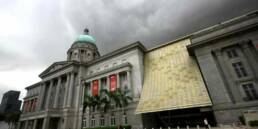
x: 125, y: 118
x: 92, y: 121
x: 84, y: 124
x: 113, y: 119
x: 102, y: 120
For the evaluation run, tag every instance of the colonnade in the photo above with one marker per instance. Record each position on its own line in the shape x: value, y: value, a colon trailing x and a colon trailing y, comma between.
x: 128, y: 75
x: 49, y: 98
x: 49, y: 94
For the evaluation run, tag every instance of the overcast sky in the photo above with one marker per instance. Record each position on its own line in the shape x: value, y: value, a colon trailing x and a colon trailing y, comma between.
x: 36, y: 33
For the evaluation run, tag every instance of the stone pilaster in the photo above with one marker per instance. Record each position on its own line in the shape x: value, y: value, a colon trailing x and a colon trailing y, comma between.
x: 35, y: 123
x: 225, y: 74
x: 57, y: 92
x: 83, y: 92
x: 250, y: 57
x: 41, y: 98
x: 66, y: 89
x: 49, y: 94
x: 26, y: 124
x: 46, y: 123
x: 71, y: 87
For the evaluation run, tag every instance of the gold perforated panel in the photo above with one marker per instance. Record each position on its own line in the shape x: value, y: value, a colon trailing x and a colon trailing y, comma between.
x: 172, y: 80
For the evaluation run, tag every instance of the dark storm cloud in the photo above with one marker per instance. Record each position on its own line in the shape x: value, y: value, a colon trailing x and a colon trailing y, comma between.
x: 35, y: 33
x: 116, y: 23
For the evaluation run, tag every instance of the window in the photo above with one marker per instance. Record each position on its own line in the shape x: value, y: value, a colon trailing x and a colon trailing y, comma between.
x: 250, y: 91
x: 125, y: 118
x: 84, y: 124
x: 232, y: 53
x: 113, y: 120
x: 92, y: 121
x: 239, y: 69
x: 102, y: 120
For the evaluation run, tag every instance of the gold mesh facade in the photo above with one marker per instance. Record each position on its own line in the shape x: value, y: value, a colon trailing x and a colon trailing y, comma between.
x: 172, y: 80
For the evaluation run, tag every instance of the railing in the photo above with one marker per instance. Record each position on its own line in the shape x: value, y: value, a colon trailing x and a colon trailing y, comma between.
x: 232, y: 126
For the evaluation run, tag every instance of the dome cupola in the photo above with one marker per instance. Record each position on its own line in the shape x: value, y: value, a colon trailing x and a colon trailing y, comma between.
x: 85, y: 38
x: 83, y: 49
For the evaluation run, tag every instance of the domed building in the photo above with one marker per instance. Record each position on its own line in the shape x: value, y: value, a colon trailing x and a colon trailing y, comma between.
x: 56, y: 102
x: 207, y: 77
x: 83, y: 49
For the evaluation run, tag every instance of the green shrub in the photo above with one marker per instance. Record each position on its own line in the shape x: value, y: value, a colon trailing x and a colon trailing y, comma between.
x: 111, y: 127
x: 253, y: 123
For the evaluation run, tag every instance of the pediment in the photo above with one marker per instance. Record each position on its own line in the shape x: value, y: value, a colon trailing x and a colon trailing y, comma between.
x: 55, y: 66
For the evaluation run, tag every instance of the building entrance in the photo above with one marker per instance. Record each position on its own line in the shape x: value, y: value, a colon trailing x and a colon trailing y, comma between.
x: 185, y: 117
x: 54, y: 123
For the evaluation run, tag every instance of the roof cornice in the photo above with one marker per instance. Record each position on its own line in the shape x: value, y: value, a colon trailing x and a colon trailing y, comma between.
x: 119, y: 51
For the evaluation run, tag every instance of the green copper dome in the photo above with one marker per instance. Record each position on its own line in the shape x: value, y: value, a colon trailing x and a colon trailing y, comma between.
x: 85, y: 38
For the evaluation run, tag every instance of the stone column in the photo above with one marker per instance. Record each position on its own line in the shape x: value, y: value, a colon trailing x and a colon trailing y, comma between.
x: 83, y: 92
x: 91, y: 87
x: 41, y: 98
x: 129, y: 83
x: 66, y: 124
x: 128, y: 74
x: 108, y: 83
x: 71, y: 87
x: 57, y: 92
x: 49, y: 94
x: 66, y: 89
x: 35, y: 123
x: 100, y: 87
x: 46, y: 123
x: 118, y: 81
x: 26, y: 124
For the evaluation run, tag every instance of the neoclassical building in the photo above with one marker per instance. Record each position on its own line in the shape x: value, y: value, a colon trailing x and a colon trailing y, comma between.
x: 210, y: 74
x: 227, y: 55
x: 56, y: 101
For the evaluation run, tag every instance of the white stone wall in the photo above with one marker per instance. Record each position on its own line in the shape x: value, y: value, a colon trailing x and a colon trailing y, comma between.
x: 134, y: 57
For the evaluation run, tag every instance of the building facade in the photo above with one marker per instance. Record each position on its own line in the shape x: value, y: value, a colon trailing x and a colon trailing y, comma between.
x: 227, y: 55
x: 56, y: 101
x: 10, y: 102
x: 210, y: 74
x: 173, y: 90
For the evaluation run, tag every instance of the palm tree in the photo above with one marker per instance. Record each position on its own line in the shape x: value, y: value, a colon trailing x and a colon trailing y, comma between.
x: 124, y: 98
x: 106, y: 99
x: 119, y: 98
x: 88, y: 102
x: 96, y: 102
